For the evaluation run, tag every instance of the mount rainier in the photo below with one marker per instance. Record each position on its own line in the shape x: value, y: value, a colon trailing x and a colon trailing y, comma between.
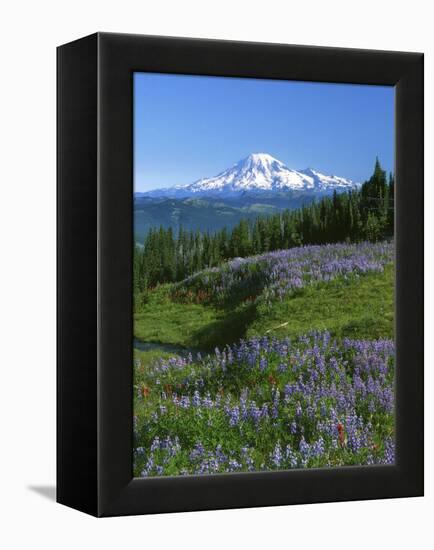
x: 258, y: 173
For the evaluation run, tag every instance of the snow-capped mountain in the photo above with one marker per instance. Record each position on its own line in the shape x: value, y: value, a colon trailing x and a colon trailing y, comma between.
x: 258, y: 173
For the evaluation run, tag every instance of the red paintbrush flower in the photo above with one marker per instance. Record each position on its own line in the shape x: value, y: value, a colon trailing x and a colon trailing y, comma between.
x: 341, y: 434
x: 272, y: 379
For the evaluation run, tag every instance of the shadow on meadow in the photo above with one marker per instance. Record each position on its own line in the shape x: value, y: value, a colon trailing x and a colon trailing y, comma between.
x: 229, y: 328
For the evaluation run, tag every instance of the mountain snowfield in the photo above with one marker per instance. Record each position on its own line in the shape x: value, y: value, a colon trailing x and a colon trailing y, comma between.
x: 257, y: 173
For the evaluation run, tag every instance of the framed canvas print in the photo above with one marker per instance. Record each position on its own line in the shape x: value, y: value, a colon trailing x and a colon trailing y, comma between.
x: 240, y: 274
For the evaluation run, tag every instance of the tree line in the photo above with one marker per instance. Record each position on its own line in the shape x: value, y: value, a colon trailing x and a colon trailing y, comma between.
x: 363, y: 214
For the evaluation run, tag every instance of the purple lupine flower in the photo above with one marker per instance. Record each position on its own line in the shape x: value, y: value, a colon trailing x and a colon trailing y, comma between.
x: 197, y: 452
x: 255, y: 412
x: 317, y: 448
x: 304, y: 449
x: 184, y: 402
x: 234, y: 416
x: 389, y: 451
x: 290, y: 457
x: 196, y: 399
x: 298, y: 409
x: 246, y: 456
x: 277, y: 455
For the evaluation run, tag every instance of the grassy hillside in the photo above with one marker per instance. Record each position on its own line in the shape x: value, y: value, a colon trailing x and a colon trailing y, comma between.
x: 354, y: 308
x: 362, y: 308
x: 346, y: 289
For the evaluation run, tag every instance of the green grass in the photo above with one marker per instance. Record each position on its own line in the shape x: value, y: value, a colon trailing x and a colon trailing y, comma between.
x: 143, y: 362
x: 163, y: 320
x: 190, y: 325
x: 361, y: 308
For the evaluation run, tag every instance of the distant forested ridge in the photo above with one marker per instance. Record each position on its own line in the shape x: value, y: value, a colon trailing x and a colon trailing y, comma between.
x: 366, y: 214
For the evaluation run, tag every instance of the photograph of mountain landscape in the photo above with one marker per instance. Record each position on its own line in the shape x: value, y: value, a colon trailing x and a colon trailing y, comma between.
x: 263, y: 275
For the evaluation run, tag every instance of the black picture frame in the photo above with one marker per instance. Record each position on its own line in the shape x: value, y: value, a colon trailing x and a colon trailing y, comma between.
x: 95, y: 236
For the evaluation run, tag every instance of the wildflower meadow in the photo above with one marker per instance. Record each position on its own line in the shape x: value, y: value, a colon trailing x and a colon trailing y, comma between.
x: 273, y: 399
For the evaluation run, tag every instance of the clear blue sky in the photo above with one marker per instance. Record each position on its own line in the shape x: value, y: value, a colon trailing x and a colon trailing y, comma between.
x: 189, y: 127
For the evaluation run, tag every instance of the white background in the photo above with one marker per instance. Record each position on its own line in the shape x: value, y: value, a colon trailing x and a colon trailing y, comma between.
x: 30, y: 31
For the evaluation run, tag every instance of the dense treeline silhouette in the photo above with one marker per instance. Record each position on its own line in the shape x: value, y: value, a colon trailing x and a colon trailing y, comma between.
x: 363, y: 214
